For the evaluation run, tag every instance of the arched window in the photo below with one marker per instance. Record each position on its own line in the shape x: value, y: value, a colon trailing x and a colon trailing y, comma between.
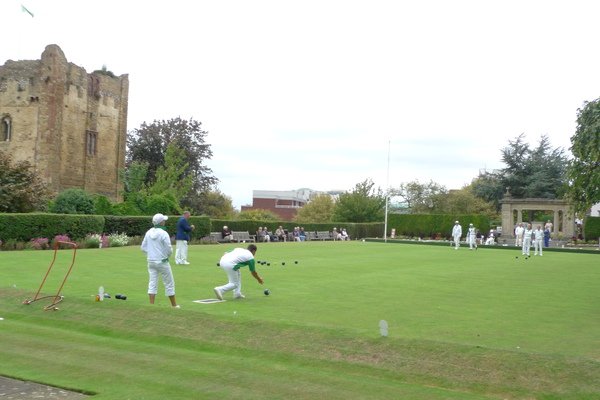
x: 91, y: 142
x: 6, y: 129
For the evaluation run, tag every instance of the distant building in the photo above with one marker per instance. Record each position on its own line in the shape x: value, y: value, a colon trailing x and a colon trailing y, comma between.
x: 285, y: 203
x: 69, y: 124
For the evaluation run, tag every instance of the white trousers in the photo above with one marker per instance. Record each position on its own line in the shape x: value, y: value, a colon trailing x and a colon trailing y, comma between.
x: 519, y: 240
x: 526, y: 246
x: 537, y: 246
x: 456, y: 241
x: 164, y: 270
x: 472, y: 241
x: 181, y: 251
x: 235, y: 280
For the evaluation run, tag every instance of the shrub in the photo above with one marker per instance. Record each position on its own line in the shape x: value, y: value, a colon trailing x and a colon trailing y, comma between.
x: 118, y: 239
x: 73, y: 201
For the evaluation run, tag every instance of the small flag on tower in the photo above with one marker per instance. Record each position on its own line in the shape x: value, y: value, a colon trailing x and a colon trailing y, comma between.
x: 24, y: 9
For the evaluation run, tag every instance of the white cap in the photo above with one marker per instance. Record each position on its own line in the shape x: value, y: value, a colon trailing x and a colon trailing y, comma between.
x: 158, y: 218
x: 456, y: 222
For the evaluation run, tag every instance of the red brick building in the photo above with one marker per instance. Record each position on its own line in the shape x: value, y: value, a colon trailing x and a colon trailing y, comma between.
x: 285, y: 204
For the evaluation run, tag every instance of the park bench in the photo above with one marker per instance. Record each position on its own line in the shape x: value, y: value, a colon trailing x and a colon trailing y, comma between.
x: 216, y: 237
x: 243, y: 236
x: 311, y: 235
x: 324, y: 235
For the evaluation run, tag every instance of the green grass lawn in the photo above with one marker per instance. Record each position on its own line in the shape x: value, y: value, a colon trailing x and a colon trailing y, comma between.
x: 462, y: 325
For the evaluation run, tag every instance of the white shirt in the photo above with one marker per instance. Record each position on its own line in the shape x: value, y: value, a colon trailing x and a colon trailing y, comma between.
x: 538, y: 234
x: 457, y: 230
x: 519, y: 231
x: 157, y: 244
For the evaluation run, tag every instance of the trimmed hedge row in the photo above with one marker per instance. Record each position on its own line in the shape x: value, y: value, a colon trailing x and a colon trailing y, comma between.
x: 592, y: 228
x: 24, y: 227
x: 434, y: 225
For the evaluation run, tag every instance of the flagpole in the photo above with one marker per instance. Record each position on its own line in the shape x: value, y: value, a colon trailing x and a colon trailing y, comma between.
x: 387, y: 195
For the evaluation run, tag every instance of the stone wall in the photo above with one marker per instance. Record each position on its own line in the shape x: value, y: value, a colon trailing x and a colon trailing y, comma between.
x: 56, y: 110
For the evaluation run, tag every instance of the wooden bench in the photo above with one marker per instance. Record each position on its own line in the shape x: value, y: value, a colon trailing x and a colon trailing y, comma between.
x: 324, y: 235
x: 311, y: 235
x: 216, y: 237
x: 243, y: 236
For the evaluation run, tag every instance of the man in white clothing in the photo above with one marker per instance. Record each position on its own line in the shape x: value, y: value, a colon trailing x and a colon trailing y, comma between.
x: 538, y: 240
x: 456, y: 234
x: 231, y: 262
x: 157, y: 246
x: 519, y: 235
x: 527, y: 233
x: 471, y: 237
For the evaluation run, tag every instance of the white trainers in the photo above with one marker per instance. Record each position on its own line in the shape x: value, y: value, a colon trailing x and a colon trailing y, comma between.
x: 177, y: 306
x: 219, y: 294
x: 185, y: 263
x: 239, y: 296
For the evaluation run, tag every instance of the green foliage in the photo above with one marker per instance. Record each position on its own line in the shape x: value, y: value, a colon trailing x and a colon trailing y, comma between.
x: 73, y: 201
x: 210, y: 202
x: 138, y: 225
x: 149, y: 144
x: 257, y: 215
x: 319, y: 209
x: 21, y: 190
x: 161, y: 203
x: 584, y: 168
x: 591, y: 228
x: 464, y: 201
x: 134, y: 177
x: 533, y: 173
x: 24, y: 227
x: 172, y: 177
x: 488, y: 187
x: 362, y: 204
x: 103, y: 206
x: 420, y: 198
x: 433, y: 225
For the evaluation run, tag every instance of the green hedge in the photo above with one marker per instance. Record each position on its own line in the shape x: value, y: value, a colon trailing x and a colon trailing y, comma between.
x: 433, y: 225
x: 592, y: 228
x: 24, y: 227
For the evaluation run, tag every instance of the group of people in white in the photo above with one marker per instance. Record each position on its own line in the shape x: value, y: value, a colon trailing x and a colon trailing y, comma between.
x: 525, y: 236
x: 297, y: 234
x: 471, y: 237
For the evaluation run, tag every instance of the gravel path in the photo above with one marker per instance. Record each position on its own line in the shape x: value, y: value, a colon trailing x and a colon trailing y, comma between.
x: 16, y: 389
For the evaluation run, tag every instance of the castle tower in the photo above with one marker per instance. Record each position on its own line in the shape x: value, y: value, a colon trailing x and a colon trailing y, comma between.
x: 70, y: 125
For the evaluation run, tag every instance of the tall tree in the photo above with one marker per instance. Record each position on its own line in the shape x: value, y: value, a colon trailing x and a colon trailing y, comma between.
x: 172, y: 177
x: 362, y: 204
x: 21, y: 189
x: 584, y: 168
x: 149, y: 144
x: 212, y: 203
x: 319, y: 209
x: 420, y: 198
x: 539, y: 172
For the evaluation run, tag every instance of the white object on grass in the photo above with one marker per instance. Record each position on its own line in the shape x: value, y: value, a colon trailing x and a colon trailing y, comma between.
x: 383, y: 328
x: 209, y: 301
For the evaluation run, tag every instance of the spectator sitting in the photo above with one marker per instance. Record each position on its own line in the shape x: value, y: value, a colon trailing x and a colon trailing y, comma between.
x: 490, y: 239
x: 226, y: 234
x: 280, y: 234
x: 260, y: 234
x: 296, y: 234
x: 302, y: 234
x: 335, y: 234
x: 344, y: 234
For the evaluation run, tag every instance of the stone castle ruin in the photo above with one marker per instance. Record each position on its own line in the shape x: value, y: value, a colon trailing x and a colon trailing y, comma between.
x: 70, y: 125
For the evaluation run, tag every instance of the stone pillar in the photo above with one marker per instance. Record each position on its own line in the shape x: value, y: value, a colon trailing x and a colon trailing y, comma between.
x: 555, y: 223
x: 519, y: 215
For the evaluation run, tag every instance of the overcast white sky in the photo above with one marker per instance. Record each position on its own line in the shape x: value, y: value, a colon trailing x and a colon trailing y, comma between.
x: 310, y: 93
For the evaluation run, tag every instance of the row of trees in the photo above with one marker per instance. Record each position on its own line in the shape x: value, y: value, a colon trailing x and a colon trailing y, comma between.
x: 166, y: 172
